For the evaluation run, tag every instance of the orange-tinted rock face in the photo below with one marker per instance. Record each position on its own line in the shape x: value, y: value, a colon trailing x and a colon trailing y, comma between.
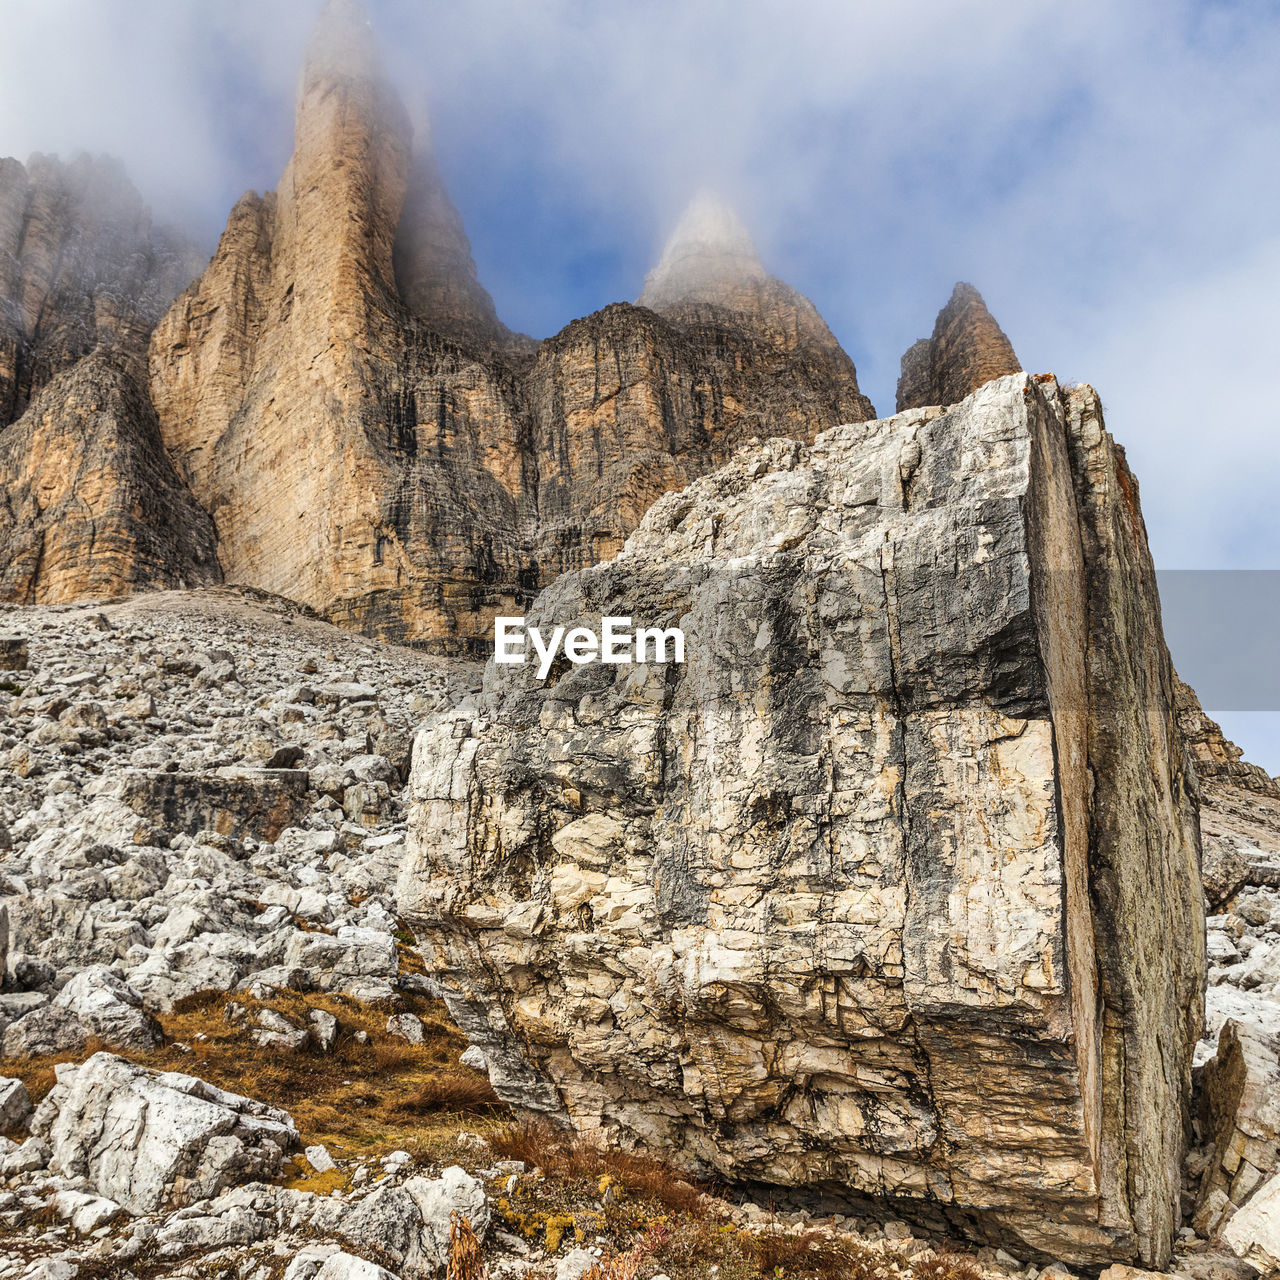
x: 92, y: 503
x: 371, y: 440
x: 967, y: 349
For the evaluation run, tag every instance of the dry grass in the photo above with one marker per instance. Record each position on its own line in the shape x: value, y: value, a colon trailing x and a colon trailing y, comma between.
x: 571, y: 1158
x: 814, y: 1254
x: 362, y: 1099
x: 454, y: 1091
x: 466, y: 1262
x: 945, y: 1264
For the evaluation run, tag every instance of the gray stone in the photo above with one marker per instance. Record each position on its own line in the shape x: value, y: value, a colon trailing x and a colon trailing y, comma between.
x: 575, y: 1264
x: 15, y: 1103
x: 110, y: 1009
x: 146, y: 1138
x: 346, y: 1266
x: 13, y: 653
x: 837, y: 901
x: 47, y: 1029
x: 406, y: 1026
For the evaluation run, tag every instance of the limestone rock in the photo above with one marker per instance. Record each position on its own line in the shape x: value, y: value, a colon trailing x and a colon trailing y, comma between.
x: 109, y: 1009
x: 92, y: 504
x: 346, y: 1266
x: 435, y: 271
x: 860, y: 897
x: 46, y: 1029
x: 1240, y: 1106
x: 1253, y: 1233
x: 15, y: 1104
x: 1216, y: 758
x: 410, y: 1223
x: 339, y: 394
x: 967, y: 349
x: 13, y: 653
x: 147, y: 1139
x: 261, y: 802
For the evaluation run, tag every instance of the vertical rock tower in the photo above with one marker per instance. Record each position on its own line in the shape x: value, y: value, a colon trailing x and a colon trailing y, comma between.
x: 351, y: 457
x: 966, y: 350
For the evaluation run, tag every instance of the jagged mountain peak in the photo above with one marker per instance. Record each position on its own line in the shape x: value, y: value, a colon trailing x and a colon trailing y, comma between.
x: 967, y: 349
x: 709, y: 253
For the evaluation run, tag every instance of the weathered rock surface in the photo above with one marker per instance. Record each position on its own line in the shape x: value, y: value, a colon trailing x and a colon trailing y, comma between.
x: 966, y: 350
x: 145, y: 1138
x: 892, y: 888
x: 340, y: 395
x: 1254, y: 1231
x: 232, y: 801
x: 92, y: 505
x: 1240, y: 1114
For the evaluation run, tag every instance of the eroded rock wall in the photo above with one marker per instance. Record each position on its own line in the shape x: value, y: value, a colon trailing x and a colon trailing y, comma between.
x: 873, y: 894
x: 92, y: 505
x: 369, y: 438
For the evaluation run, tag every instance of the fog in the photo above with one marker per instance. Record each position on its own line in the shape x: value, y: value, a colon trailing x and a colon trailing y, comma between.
x: 1105, y: 173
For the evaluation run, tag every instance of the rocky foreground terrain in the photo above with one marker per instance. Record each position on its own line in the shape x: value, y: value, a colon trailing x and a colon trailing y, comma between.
x: 222, y: 1055
x: 920, y: 925
x: 224, y: 1052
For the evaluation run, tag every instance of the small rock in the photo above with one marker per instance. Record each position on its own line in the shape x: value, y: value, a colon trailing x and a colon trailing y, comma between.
x: 407, y: 1026
x: 575, y: 1264
x: 15, y: 1103
x: 346, y: 1266
x: 324, y: 1029
x: 13, y: 653
x: 319, y: 1159
x: 473, y: 1057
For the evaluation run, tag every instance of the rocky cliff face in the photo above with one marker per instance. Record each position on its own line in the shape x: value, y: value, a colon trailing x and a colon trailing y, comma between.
x: 339, y: 393
x: 966, y: 350
x: 882, y: 892
x: 91, y: 503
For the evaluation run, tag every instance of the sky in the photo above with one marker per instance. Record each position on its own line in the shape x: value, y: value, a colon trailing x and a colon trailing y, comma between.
x: 1106, y: 172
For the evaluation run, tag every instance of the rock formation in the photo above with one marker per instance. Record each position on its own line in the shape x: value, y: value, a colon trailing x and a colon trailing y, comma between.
x: 967, y: 349
x: 891, y: 890
x: 1239, y: 808
x: 370, y: 439
x: 91, y: 503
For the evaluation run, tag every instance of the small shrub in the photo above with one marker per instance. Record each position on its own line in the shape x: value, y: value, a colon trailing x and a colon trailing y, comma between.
x: 816, y: 1254
x: 453, y: 1091
x: 945, y: 1264
x: 571, y: 1157
x: 465, y: 1259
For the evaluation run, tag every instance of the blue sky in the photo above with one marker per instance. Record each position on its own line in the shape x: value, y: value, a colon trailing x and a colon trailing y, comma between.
x: 1108, y: 174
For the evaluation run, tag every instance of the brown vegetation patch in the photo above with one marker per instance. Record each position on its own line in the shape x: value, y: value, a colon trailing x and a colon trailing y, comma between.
x: 570, y: 1157
x: 361, y: 1099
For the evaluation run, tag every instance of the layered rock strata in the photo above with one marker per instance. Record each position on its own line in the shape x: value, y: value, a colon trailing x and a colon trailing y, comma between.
x: 371, y: 440
x: 92, y: 505
x: 967, y: 349
x: 891, y: 889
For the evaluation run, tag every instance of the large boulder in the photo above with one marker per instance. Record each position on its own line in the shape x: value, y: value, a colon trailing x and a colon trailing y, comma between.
x: 890, y: 890
x: 146, y: 1139
x: 232, y: 801
x: 409, y: 1223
